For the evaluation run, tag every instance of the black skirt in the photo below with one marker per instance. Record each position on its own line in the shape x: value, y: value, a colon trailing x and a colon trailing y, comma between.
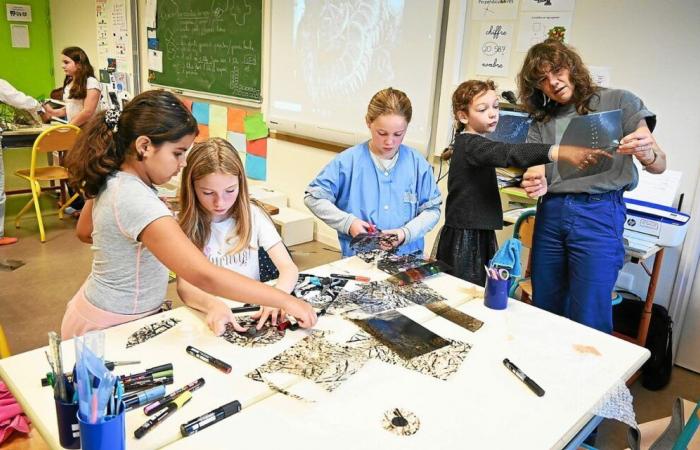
x: 467, y: 252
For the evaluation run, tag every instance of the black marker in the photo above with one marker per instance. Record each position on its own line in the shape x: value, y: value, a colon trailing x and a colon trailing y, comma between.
x: 529, y: 382
x: 210, y: 418
x: 219, y: 364
x: 244, y: 309
x: 163, y: 414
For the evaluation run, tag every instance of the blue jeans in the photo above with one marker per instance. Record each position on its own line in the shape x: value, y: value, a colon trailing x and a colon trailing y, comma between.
x: 577, y: 254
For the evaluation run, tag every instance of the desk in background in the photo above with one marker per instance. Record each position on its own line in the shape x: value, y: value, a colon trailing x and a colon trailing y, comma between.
x: 482, y: 406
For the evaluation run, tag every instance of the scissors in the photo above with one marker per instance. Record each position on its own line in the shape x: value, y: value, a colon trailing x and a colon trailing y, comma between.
x: 503, y: 274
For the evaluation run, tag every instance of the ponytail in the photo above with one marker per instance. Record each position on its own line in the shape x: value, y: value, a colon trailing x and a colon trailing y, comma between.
x: 101, y: 149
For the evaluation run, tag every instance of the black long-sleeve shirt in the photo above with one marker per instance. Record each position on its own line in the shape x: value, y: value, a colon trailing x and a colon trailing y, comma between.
x: 473, y: 201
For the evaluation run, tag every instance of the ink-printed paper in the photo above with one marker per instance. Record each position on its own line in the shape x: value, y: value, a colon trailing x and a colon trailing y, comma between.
x: 253, y: 337
x: 150, y: 331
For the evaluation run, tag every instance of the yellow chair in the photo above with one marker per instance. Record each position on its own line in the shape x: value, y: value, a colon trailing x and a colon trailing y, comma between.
x: 59, y: 138
x: 4, y: 348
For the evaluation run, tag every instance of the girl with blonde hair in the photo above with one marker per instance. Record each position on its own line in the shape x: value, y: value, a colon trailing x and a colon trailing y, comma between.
x: 229, y: 227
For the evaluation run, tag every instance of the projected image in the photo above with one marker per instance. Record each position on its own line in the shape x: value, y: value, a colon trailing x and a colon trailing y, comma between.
x: 340, y: 42
x: 512, y: 128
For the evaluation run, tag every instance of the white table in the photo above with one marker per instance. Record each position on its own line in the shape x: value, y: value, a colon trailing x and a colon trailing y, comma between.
x: 482, y: 406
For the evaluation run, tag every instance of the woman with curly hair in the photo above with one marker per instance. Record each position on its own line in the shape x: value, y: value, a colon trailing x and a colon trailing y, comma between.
x: 578, y: 249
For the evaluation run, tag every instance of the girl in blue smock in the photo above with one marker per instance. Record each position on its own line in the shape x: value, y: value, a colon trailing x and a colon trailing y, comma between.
x: 380, y: 183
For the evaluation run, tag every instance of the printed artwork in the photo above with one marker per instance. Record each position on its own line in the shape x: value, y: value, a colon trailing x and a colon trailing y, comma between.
x: 371, y: 247
x: 406, y: 337
x: 150, y: 331
x: 440, y: 364
x: 252, y: 337
x: 318, y: 291
x: 401, y: 422
x: 379, y: 296
x: 393, y: 264
x: 316, y: 359
x: 455, y: 316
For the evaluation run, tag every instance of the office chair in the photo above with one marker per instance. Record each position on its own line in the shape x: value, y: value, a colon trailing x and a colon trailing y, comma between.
x: 59, y: 138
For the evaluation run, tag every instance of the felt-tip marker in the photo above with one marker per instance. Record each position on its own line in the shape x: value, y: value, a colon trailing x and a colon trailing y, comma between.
x: 162, y: 415
x: 360, y: 278
x: 529, y: 382
x: 151, y: 408
x: 210, y: 418
x: 219, y: 364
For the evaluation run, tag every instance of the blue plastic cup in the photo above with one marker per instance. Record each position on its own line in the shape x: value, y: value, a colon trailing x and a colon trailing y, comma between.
x: 107, y: 435
x: 496, y: 293
x: 68, y: 428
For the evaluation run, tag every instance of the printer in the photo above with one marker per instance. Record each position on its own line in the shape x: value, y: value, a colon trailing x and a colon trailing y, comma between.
x: 649, y: 224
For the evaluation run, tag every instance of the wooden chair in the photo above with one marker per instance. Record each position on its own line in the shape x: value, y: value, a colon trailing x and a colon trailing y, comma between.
x: 60, y: 138
x: 524, y: 230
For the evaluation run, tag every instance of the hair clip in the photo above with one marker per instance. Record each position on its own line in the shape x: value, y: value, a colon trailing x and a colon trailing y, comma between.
x: 112, y: 118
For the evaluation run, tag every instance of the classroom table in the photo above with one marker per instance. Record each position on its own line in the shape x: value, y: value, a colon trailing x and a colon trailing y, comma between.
x: 482, y: 406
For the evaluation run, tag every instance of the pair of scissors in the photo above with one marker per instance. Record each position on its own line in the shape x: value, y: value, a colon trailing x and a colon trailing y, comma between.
x: 503, y: 274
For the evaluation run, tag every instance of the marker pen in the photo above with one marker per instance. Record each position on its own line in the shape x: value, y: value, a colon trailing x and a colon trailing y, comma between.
x: 170, y: 408
x: 143, y: 397
x: 149, y: 376
x: 163, y: 402
x: 210, y: 418
x: 529, y: 382
x: 222, y: 366
x: 146, y: 384
x: 243, y: 309
x: 161, y: 368
x: 361, y: 278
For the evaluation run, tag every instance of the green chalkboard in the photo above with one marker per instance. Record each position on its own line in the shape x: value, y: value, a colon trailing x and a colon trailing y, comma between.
x: 210, y: 46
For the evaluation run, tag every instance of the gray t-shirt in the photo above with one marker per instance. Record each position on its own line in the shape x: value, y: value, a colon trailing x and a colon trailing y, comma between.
x: 623, y: 173
x: 126, y: 277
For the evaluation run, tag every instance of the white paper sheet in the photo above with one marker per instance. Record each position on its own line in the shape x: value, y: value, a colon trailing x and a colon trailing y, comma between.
x: 494, y: 9
x: 151, y: 6
x: 533, y: 27
x: 495, y: 43
x: 20, y: 36
x: 155, y: 60
x: 656, y: 188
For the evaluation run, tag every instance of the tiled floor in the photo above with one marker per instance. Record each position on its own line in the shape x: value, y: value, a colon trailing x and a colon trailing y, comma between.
x: 33, y: 298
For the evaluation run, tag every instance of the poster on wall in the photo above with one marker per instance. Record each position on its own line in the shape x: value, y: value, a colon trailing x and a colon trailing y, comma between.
x: 548, y: 5
x: 495, y: 42
x: 20, y: 36
x: 494, y: 9
x: 18, y: 13
x: 534, y: 28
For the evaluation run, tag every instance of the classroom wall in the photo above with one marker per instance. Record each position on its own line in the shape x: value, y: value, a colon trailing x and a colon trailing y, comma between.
x: 28, y: 69
x: 73, y: 24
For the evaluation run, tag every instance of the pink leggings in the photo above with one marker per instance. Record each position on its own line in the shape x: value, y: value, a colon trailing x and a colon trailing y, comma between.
x: 82, y: 316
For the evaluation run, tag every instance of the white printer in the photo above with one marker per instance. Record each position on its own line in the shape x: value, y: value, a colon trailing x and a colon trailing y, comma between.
x: 650, y: 224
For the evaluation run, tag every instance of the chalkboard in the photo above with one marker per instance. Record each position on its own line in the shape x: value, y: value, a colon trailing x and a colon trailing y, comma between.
x: 212, y: 47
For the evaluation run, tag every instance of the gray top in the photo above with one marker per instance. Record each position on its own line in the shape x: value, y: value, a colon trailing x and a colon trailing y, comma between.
x: 623, y: 173
x: 126, y: 277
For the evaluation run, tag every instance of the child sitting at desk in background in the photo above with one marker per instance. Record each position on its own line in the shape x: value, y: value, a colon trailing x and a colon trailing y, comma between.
x: 81, y: 90
x: 222, y: 220
x: 380, y: 182
x: 81, y: 95
x: 135, y: 239
x: 473, y: 210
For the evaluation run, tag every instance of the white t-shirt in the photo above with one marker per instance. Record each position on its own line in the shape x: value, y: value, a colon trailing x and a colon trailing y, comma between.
x: 245, y: 263
x: 75, y: 105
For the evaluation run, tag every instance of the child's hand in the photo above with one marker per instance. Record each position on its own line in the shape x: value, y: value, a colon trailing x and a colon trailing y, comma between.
x: 400, y: 238
x: 581, y: 157
x: 359, y: 226
x: 218, y: 316
x: 302, y: 311
x: 266, y: 313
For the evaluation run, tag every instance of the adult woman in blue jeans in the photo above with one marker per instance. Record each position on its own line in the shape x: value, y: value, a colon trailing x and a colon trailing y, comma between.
x: 578, y: 249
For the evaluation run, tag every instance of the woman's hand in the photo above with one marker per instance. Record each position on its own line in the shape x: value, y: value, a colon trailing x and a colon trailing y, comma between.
x: 218, y: 316
x: 302, y: 311
x: 266, y: 313
x: 534, y: 182
x: 639, y: 144
x: 358, y: 227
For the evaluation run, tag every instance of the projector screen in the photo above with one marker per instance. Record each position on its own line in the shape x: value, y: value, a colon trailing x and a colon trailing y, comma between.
x: 328, y: 58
